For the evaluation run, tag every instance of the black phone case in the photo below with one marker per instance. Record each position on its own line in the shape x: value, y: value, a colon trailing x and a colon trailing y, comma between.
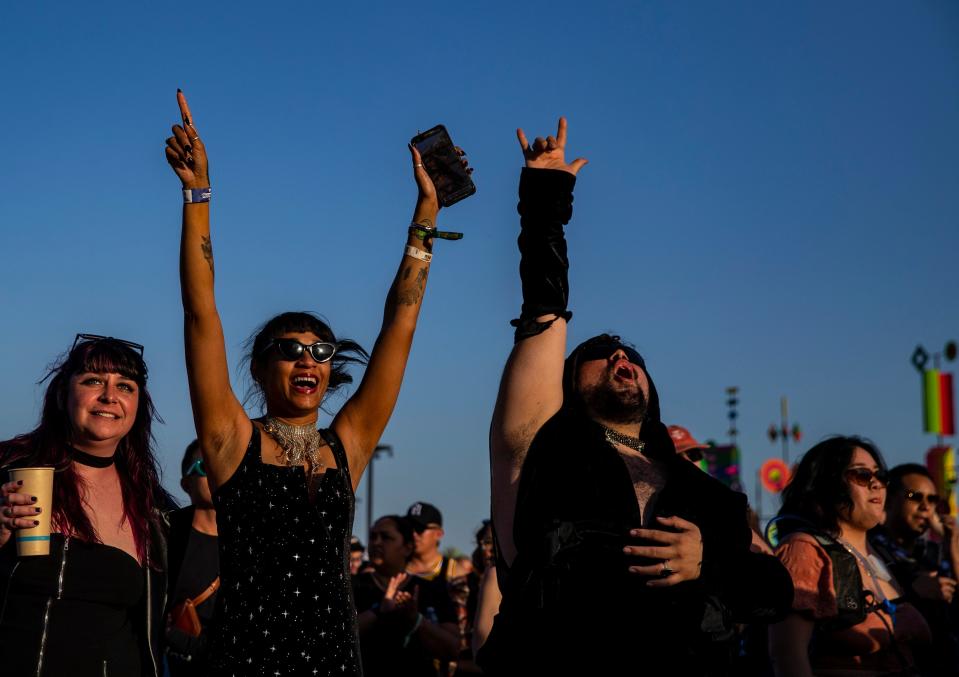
x: 442, y: 163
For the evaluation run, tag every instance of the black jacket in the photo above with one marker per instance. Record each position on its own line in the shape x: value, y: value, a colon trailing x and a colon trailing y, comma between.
x: 568, y: 599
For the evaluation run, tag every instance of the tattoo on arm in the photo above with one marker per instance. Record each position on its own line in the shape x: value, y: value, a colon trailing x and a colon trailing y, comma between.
x: 206, y: 246
x: 412, y: 295
x: 406, y: 273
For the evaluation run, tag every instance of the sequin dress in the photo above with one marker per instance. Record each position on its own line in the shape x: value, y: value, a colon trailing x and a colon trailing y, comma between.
x: 285, y: 605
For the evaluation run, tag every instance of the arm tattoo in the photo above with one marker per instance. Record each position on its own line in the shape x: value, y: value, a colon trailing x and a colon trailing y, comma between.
x: 411, y: 296
x: 406, y: 273
x: 206, y: 246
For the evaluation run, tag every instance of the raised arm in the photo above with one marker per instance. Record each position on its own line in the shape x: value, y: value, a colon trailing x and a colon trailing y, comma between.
x: 222, y: 426
x: 361, y: 421
x: 531, y: 389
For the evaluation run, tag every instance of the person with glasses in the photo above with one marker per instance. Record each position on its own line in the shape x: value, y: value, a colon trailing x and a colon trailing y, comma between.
x: 848, y: 613
x: 194, y: 571
x: 920, y: 548
x: 615, y: 554
x: 284, y: 490
x: 94, y: 605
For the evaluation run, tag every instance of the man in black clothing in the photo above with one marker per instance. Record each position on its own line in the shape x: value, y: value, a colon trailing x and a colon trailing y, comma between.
x: 923, y: 568
x: 194, y: 564
x: 616, y: 555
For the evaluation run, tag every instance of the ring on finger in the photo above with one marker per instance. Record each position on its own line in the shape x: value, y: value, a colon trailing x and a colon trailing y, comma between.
x: 418, y: 164
x: 666, y: 570
x: 195, y: 137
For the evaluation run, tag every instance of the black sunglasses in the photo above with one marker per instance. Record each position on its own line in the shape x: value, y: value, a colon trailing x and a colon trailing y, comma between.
x: 291, y: 349
x: 864, y: 476
x: 602, y: 351
x: 919, y: 497
x: 96, y: 337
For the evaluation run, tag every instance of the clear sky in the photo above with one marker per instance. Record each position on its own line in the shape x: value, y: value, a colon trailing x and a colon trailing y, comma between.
x: 771, y: 201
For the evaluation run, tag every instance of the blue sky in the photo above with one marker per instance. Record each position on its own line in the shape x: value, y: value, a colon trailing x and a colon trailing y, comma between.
x: 770, y: 202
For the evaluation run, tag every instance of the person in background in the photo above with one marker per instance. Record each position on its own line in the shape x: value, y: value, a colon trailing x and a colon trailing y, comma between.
x: 924, y: 568
x: 686, y: 445
x: 848, y: 616
x: 357, y: 550
x: 407, y: 623
x: 430, y: 564
x: 194, y: 571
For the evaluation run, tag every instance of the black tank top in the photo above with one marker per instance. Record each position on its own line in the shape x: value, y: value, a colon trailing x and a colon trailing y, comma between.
x: 285, y: 601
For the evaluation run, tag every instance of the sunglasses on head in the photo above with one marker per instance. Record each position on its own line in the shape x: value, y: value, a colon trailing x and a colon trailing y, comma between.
x: 603, y: 351
x: 291, y: 349
x: 864, y: 476
x: 919, y: 497
x: 96, y: 337
x: 196, y: 469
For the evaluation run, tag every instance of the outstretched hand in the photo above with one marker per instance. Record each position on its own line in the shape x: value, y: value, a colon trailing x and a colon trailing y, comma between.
x: 185, y: 150
x: 549, y: 153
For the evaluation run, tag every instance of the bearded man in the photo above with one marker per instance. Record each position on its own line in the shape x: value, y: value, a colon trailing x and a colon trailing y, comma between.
x: 616, y: 556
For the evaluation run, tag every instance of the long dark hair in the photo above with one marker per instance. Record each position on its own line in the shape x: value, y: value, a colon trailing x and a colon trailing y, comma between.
x: 347, y: 351
x: 49, y: 445
x: 817, y: 492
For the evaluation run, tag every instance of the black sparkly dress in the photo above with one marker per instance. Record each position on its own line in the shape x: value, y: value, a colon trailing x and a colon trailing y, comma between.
x: 285, y: 605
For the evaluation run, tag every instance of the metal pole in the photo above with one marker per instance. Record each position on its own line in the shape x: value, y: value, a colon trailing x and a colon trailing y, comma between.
x: 369, y: 497
x: 784, y: 410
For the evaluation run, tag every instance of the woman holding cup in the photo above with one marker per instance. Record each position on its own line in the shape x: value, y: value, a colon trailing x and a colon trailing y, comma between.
x: 92, y: 604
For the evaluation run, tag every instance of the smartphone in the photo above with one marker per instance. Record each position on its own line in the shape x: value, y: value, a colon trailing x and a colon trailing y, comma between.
x: 442, y: 163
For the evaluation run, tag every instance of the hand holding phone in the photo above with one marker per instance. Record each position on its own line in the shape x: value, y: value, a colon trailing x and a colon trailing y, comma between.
x: 444, y: 165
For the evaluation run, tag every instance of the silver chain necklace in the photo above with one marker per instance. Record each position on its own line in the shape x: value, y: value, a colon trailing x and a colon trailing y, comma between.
x: 300, y: 443
x: 614, y: 437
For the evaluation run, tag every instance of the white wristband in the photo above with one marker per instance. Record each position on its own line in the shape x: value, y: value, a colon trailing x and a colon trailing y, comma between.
x: 418, y: 253
x: 195, y: 195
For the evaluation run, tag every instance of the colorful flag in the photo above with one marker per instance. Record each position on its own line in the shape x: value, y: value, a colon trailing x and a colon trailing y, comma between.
x: 937, y: 403
x: 941, y: 462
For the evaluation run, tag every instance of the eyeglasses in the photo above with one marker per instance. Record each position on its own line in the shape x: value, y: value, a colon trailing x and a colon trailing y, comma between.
x: 96, y: 337
x: 919, y: 497
x: 864, y: 476
x: 291, y: 349
x: 196, y: 469
x: 602, y: 351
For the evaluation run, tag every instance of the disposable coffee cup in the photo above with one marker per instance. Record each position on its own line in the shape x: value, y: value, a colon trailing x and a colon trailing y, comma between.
x: 36, y: 482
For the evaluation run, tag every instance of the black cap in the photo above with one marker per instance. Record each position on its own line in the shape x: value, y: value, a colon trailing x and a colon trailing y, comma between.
x: 423, y: 515
x: 356, y: 545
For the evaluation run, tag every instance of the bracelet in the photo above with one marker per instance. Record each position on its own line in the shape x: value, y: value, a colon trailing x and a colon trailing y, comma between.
x: 416, y: 626
x: 418, y: 253
x: 195, y: 195
x: 422, y: 232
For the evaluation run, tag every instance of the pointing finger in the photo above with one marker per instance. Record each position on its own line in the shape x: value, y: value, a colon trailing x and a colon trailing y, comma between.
x: 184, y: 108
x: 561, y: 132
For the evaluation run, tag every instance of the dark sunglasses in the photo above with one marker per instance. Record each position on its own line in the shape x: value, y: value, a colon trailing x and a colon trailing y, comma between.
x: 96, y: 337
x: 602, y: 351
x: 919, y: 497
x: 291, y: 349
x: 196, y: 469
x: 864, y: 476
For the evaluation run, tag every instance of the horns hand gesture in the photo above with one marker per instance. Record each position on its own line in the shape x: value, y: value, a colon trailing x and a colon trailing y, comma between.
x: 549, y: 153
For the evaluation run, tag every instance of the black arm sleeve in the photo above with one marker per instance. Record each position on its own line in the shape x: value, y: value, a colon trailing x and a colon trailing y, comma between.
x: 545, y: 206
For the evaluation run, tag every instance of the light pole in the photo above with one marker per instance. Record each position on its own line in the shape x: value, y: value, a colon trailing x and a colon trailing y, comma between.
x: 380, y: 449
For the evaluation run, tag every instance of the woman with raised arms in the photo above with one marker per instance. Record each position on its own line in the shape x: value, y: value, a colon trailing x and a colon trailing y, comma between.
x: 283, y: 490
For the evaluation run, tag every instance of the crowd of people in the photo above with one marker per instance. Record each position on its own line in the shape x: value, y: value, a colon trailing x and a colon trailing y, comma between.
x: 606, y: 550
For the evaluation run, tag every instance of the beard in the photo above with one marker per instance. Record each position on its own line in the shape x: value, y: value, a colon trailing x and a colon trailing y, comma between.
x: 615, y: 406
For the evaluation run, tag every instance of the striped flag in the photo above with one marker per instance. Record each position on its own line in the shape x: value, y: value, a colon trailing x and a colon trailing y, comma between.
x: 937, y: 403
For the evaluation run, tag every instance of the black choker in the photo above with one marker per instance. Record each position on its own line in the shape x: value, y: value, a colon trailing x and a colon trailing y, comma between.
x: 83, y: 458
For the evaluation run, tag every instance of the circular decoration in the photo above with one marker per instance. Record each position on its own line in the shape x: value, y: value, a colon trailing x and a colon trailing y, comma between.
x: 774, y: 474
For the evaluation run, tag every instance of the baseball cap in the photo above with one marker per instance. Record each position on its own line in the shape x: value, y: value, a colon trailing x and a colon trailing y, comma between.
x: 683, y: 440
x: 424, y: 515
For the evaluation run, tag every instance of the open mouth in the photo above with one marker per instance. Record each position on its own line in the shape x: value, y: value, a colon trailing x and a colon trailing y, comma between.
x: 305, y: 384
x: 106, y: 414
x: 622, y: 371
